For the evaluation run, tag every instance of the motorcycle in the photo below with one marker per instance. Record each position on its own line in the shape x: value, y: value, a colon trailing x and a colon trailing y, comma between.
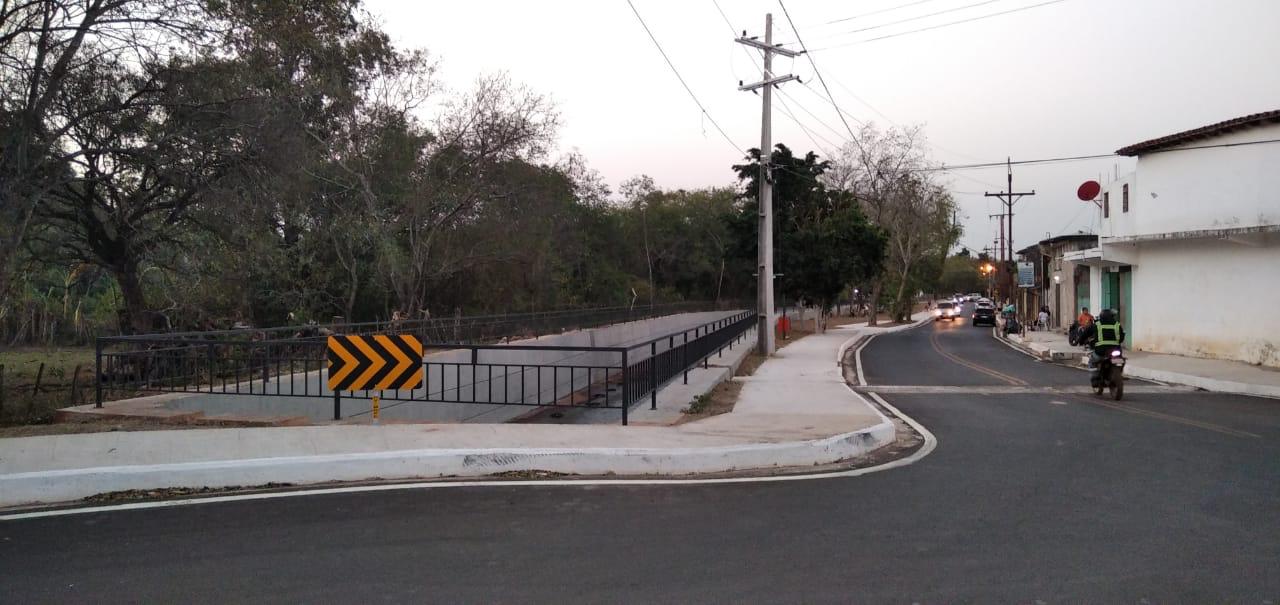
x: 1106, y: 372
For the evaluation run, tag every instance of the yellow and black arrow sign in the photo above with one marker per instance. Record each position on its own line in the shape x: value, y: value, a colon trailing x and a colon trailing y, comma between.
x: 377, y: 362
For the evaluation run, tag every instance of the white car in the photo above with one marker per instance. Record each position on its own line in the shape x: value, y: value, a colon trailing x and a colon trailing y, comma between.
x: 946, y: 310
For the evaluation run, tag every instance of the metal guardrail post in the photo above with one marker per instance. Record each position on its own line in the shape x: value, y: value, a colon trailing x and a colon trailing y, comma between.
x: 210, y: 349
x: 337, y: 405
x: 684, y: 357
x: 653, y: 375
x: 626, y: 387
x: 97, y: 379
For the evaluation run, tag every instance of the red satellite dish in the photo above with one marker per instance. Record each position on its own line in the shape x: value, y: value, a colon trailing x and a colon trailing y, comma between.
x: 1089, y: 191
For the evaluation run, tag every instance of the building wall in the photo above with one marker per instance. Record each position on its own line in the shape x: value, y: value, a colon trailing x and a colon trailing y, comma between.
x: 1062, y: 301
x: 1208, y: 298
x: 1119, y: 222
x: 1215, y: 188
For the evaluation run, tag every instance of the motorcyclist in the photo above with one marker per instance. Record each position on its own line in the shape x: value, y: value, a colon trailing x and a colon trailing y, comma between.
x: 1104, y: 335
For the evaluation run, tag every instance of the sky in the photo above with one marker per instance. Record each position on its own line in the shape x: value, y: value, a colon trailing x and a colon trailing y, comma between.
x: 1069, y: 78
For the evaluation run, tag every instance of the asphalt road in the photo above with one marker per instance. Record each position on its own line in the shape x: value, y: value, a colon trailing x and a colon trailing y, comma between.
x: 1037, y: 495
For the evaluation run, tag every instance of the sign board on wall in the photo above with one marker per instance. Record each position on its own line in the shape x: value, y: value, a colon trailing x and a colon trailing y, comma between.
x: 1026, y: 274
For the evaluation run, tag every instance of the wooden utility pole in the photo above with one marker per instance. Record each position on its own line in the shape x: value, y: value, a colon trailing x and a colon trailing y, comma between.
x: 764, y: 288
x: 1009, y: 197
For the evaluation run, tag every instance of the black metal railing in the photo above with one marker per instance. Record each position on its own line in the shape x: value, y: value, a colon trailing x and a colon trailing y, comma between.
x: 524, y: 373
x: 470, y: 329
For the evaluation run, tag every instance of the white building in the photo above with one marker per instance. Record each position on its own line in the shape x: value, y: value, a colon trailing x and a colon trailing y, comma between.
x: 1189, y: 250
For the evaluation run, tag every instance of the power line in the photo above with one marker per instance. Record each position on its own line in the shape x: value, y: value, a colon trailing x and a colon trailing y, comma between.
x: 883, y: 10
x: 839, y: 110
x: 818, y: 73
x: 916, y: 18
x: 933, y: 27
x: 786, y: 111
x: 738, y: 148
x: 1077, y: 158
x: 811, y: 114
x: 945, y: 168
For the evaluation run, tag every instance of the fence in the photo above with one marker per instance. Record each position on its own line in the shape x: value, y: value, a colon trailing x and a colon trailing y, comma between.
x: 520, y: 373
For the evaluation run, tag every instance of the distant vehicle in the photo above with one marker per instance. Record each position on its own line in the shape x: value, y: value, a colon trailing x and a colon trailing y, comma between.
x: 986, y: 301
x: 985, y: 304
x: 984, y: 314
x: 946, y: 310
x: 974, y: 296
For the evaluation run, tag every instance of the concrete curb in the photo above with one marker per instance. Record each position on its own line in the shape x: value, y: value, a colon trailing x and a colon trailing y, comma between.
x: 66, y: 485
x: 866, y: 333
x: 1136, y: 370
x: 1202, y: 382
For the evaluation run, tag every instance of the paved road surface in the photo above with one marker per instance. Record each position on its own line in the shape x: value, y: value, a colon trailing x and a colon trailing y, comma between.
x: 1031, y: 495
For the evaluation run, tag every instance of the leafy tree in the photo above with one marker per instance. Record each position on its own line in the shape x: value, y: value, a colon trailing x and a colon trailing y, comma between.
x: 823, y: 242
x: 960, y: 274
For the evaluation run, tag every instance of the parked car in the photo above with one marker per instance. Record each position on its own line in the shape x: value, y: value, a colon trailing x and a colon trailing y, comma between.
x: 946, y: 310
x: 984, y: 314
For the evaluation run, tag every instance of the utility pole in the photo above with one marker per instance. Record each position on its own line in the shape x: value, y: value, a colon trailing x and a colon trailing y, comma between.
x: 999, y: 241
x: 764, y: 333
x: 1009, y: 197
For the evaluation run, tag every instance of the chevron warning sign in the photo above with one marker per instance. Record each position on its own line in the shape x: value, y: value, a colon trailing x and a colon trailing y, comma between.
x: 380, y: 361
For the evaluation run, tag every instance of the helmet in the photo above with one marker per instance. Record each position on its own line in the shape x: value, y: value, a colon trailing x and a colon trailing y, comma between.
x: 1107, y: 316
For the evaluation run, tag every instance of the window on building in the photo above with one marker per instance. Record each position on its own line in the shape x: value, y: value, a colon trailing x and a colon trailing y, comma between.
x: 1124, y: 200
x: 1106, y: 205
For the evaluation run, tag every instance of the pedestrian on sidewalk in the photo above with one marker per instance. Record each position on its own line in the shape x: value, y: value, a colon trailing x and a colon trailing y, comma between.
x: 1043, y: 319
x: 1083, y: 321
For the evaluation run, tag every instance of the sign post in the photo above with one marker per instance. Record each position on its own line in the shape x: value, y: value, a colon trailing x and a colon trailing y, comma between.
x: 380, y: 362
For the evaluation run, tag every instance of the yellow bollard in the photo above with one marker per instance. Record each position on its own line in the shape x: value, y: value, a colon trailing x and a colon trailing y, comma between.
x: 375, y: 410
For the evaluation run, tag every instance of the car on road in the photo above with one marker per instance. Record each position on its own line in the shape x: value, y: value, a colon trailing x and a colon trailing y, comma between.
x: 984, y: 314
x: 946, y: 310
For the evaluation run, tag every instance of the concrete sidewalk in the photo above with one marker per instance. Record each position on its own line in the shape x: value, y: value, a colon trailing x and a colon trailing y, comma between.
x: 796, y: 411
x: 1208, y: 374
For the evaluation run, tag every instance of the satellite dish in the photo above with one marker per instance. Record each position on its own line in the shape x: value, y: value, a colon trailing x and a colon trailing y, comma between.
x: 1089, y: 191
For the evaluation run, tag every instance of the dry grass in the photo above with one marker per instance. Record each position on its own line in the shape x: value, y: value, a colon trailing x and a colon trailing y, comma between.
x: 30, y: 395
x: 104, y: 425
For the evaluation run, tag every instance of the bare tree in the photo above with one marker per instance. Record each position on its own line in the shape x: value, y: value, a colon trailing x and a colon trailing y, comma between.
x: 496, y: 122
x: 44, y: 45
x: 882, y: 169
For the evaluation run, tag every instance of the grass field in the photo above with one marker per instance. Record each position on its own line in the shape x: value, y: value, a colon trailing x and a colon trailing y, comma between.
x: 24, y: 401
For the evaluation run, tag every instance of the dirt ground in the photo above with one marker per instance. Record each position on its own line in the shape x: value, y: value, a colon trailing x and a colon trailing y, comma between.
x: 95, y: 426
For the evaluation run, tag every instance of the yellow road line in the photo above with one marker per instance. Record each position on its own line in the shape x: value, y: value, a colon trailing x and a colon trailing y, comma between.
x: 933, y: 340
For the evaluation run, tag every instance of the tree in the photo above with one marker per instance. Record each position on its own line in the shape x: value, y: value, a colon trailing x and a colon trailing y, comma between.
x: 882, y: 170
x: 46, y: 46
x: 960, y: 273
x: 823, y: 242
x: 162, y: 147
